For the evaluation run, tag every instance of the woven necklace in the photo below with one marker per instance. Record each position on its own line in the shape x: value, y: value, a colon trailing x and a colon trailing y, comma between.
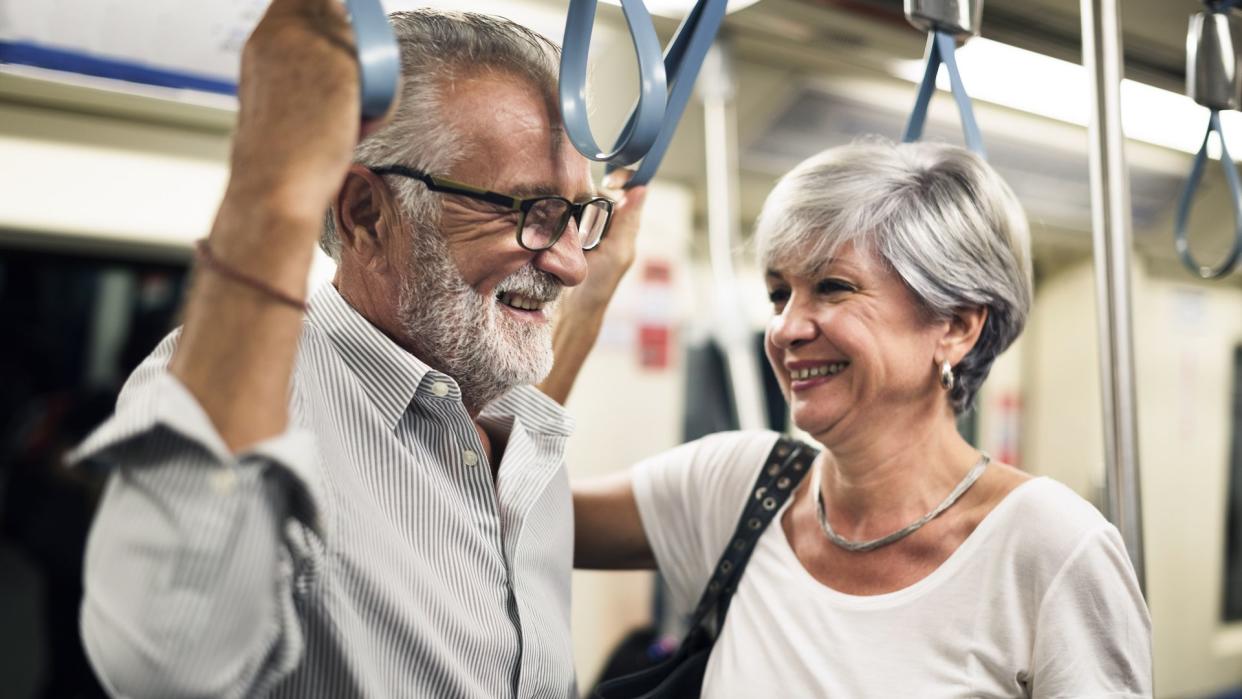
x: 850, y: 545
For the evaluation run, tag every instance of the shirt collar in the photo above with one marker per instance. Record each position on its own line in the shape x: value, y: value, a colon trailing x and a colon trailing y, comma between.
x: 537, y: 411
x: 389, y: 374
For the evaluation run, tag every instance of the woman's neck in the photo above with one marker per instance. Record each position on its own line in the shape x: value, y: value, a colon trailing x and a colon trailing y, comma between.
x: 876, y: 483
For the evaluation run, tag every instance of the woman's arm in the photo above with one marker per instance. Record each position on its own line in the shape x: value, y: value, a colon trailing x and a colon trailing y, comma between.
x: 608, y: 532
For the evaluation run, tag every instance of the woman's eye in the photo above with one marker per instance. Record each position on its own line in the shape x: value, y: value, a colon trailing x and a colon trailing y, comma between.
x: 778, y: 296
x: 832, y: 286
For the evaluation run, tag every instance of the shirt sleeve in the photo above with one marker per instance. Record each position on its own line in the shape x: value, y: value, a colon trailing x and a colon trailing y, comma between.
x: 689, y: 499
x: 1093, y: 633
x: 188, y: 575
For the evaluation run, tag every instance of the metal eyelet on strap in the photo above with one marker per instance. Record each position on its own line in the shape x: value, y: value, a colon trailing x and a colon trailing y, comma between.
x: 739, y: 544
x: 774, y: 469
x: 726, y: 566
x: 714, y: 586
x: 759, y: 492
x: 769, y: 504
x: 798, y: 465
x: 782, y: 451
x: 783, y: 483
x: 754, y: 524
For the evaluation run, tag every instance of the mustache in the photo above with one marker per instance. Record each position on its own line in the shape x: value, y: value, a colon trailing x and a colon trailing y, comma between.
x: 532, y: 283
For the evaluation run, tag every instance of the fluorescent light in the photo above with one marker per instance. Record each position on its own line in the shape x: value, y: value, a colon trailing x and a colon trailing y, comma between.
x: 679, y: 8
x: 1038, y: 84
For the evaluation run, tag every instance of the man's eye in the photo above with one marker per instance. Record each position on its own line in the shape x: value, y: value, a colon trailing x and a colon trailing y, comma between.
x: 778, y: 296
x: 832, y: 286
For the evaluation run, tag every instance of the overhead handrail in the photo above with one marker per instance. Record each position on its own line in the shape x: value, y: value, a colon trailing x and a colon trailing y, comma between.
x: 665, y: 85
x: 1212, y: 80
x: 379, y: 59
x: 945, y: 21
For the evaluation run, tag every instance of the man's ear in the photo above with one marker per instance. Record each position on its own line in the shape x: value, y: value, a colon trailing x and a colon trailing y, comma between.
x: 365, y: 216
x: 964, y: 328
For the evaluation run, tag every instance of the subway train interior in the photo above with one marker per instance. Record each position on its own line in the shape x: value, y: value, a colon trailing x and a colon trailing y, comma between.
x: 116, y: 124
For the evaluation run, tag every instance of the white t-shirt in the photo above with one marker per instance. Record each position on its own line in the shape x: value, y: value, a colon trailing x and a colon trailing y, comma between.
x: 1039, y: 601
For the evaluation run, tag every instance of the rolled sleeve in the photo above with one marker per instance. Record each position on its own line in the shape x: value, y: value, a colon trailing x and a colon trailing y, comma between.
x: 188, y: 576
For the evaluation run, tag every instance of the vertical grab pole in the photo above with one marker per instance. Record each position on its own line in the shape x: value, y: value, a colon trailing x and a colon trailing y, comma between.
x: 1110, y: 223
x: 723, y: 221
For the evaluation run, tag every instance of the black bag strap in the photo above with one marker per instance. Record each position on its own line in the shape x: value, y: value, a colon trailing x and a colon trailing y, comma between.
x: 788, y: 462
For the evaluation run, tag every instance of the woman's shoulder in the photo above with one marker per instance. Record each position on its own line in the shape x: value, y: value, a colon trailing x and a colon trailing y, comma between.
x: 1045, y: 525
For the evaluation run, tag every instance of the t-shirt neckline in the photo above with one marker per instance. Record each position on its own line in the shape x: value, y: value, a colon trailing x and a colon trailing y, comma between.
x: 991, y: 521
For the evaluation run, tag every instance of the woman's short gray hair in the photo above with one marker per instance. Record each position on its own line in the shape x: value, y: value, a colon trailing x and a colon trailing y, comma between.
x: 437, y: 47
x: 937, y: 214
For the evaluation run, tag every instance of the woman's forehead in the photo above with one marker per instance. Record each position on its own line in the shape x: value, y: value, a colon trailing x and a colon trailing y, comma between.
x: 811, y: 260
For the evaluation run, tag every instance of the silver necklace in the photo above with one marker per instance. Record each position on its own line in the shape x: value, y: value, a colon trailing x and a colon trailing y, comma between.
x: 909, y: 529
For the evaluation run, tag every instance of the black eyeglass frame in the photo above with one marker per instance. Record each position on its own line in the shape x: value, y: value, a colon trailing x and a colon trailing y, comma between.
x: 522, y: 205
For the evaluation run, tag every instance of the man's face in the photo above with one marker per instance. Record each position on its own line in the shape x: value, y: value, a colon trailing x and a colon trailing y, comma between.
x: 477, y: 303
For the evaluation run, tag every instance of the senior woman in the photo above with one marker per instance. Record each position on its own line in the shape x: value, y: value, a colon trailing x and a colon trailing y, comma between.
x: 897, y: 274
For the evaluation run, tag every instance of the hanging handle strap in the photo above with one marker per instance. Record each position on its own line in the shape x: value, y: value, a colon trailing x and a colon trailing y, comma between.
x: 1181, y: 236
x: 644, y: 125
x: 379, y: 60
x: 665, y: 84
x: 942, y: 48
x: 682, y: 62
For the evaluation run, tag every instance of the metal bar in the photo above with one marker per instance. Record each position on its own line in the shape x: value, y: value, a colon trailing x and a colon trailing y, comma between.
x: 723, y: 223
x: 1111, y: 236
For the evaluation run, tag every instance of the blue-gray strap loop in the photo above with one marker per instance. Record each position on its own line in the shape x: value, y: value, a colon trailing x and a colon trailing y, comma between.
x: 665, y: 84
x: 379, y: 59
x: 941, y: 48
x: 682, y: 61
x: 1181, y: 235
x: 644, y: 125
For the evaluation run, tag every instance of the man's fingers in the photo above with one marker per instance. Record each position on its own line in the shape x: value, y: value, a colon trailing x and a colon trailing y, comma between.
x: 617, y: 178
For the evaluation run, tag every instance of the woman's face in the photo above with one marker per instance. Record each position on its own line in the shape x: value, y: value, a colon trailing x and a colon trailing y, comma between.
x: 851, y: 347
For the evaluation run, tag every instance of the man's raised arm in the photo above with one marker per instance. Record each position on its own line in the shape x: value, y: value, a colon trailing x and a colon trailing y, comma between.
x: 188, y: 578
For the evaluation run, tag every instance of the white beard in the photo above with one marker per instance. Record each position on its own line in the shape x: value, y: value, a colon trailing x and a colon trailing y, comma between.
x: 466, y: 334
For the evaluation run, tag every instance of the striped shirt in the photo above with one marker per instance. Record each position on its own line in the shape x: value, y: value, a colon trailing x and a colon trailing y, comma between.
x: 365, y: 552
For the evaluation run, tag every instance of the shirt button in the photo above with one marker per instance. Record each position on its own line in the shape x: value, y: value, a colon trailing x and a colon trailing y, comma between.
x: 223, y: 481
x: 440, y: 388
x: 470, y: 457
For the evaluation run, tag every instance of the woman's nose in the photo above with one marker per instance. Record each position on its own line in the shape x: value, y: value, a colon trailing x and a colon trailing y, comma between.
x: 791, y: 327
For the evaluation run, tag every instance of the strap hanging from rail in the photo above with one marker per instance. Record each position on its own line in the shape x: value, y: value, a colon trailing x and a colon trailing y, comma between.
x: 1213, y: 82
x: 379, y: 60
x: 665, y: 85
x: 644, y: 125
x: 1181, y: 238
x: 941, y: 48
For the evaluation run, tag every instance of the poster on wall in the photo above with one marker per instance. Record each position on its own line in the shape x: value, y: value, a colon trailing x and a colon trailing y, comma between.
x: 183, y: 44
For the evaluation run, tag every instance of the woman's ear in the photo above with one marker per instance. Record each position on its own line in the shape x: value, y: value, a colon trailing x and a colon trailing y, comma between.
x: 365, y: 216
x: 961, y: 334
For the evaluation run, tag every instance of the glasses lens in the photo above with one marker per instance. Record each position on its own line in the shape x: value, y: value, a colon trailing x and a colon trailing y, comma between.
x: 544, y: 222
x: 594, y: 222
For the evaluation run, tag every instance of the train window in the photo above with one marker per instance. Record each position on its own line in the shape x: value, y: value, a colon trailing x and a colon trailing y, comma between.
x: 1233, y: 522
x: 76, y: 325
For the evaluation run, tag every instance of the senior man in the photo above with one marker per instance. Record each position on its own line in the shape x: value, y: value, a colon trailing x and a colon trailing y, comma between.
x: 368, y: 498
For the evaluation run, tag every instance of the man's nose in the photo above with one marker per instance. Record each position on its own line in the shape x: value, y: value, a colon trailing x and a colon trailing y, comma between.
x: 565, y: 260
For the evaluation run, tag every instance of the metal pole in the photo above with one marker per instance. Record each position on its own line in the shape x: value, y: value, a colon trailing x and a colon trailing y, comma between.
x: 723, y: 222
x: 1110, y: 219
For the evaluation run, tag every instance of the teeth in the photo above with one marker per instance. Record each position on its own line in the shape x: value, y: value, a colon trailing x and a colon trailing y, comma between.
x: 521, y: 302
x: 821, y: 370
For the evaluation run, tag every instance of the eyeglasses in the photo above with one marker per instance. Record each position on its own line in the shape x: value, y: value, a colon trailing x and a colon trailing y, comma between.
x: 541, y: 219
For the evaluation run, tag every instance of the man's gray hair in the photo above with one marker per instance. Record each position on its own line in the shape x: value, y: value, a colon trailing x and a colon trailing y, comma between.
x: 937, y: 214
x: 438, y: 47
